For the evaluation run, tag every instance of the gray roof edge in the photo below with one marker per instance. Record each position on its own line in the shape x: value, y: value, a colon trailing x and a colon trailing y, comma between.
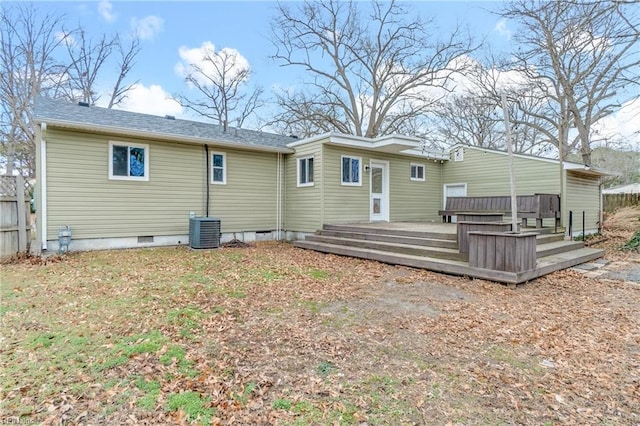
x: 60, y: 113
x: 121, y: 131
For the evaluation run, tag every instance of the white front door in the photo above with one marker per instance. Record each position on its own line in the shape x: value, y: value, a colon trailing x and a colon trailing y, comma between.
x: 379, y: 190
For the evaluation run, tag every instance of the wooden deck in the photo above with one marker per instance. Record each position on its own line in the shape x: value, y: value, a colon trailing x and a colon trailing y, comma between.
x: 433, y: 246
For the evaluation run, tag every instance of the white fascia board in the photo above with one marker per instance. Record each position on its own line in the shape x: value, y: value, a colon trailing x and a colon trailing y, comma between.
x: 393, y: 144
x: 427, y: 154
x: 112, y: 130
x: 587, y: 170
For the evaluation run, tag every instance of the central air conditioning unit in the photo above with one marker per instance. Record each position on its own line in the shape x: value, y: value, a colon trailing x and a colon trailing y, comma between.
x: 204, y: 232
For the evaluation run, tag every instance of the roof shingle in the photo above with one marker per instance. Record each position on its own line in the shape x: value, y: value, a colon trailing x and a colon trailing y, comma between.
x: 55, y: 110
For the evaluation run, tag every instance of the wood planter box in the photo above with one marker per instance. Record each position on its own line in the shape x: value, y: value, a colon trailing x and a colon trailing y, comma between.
x: 502, y: 251
x: 465, y: 227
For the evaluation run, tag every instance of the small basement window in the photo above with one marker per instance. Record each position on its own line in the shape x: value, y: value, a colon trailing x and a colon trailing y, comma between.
x: 417, y: 172
x: 128, y: 161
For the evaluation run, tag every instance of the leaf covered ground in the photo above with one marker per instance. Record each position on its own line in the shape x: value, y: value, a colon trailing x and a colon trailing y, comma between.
x: 271, y: 334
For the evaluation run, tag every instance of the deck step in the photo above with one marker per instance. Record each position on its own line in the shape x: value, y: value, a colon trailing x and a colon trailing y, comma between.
x: 548, y: 238
x: 389, y: 231
x: 398, y: 239
x: 555, y: 247
x: 418, y: 250
x: 545, y: 265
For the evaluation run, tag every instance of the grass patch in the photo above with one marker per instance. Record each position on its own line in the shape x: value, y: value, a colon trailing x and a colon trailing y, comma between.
x: 192, y: 404
x: 178, y: 355
x: 633, y: 243
x: 151, y: 391
x: 131, y: 346
x: 325, y: 368
x: 243, y: 397
x: 318, y: 274
x: 42, y: 341
x: 282, y: 404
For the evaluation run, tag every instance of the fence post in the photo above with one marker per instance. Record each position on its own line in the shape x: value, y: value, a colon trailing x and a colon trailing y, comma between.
x: 22, y: 215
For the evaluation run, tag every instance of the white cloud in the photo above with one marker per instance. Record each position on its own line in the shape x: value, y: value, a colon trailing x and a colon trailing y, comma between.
x: 105, y: 8
x: 501, y: 28
x: 623, y: 126
x: 147, y: 27
x: 195, y: 57
x: 151, y: 100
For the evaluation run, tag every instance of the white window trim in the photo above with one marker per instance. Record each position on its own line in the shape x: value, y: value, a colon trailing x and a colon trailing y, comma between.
x: 224, y: 168
x: 424, y: 172
x: 130, y: 145
x: 359, y: 183
x: 298, y: 160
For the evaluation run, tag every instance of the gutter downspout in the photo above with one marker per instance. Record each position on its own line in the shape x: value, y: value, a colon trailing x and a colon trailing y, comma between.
x: 206, y: 150
x: 43, y: 187
x: 278, y: 198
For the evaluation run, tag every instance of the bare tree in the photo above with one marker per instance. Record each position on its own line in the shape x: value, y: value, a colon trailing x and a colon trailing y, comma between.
x: 368, y: 75
x: 472, y: 114
x: 220, y: 81
x: 582, y: 57
x: 28, y: 68
x: 470, y: 120
x: 88, y: 60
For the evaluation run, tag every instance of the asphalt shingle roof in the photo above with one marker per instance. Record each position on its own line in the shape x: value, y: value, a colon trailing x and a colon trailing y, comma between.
x: 55, y: 110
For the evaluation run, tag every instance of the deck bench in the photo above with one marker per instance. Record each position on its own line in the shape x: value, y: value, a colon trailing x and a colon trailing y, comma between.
x: 538, y: 206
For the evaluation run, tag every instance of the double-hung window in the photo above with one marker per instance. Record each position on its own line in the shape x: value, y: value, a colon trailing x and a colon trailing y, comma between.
x: 128, y: 161
x: 351, y: 170
x: 305, y: 171
x: 219, y: 168
x: 417, y: 172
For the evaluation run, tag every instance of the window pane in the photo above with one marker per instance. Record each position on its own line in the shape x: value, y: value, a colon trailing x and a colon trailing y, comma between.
x: 414, y: 172
x: 119, y: 160
x: 377, y: 205
x: 310, y: 170
x: 420, y: 172
x: 355, y: 170
x: 346, y: 174
x: 376, y: 180
x: 218, y: 160
x: 218, y: 175
x: 136, y: 161
x: 303, y: 170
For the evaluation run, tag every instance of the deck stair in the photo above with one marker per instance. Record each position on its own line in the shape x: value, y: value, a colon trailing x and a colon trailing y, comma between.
x: 437, y: 250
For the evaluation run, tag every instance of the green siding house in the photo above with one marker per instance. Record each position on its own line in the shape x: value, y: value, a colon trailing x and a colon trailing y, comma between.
x: 120, y: 179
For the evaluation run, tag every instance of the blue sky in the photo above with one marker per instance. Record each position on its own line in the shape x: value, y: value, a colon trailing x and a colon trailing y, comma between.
x: 166, y: 27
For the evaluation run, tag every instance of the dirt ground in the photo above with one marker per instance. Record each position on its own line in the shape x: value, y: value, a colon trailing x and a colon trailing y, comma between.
x: 272, y: 334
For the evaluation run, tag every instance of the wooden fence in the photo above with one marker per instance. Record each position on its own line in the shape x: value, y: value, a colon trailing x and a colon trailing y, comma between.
x: 613, y: 201
x: 15, y: 217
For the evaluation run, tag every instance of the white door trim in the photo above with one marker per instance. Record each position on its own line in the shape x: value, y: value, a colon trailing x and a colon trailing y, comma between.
x: 383, y: 198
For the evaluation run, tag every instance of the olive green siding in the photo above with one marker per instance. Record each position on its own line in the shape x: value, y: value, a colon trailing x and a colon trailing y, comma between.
x: 248, y: 200
x: 414, y: 200
x: 80, y: 193
x: 583, y: 195
x: 303, y: 211
x: 409, y: 200
x: 487, y: 173
x: 344, y: 204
